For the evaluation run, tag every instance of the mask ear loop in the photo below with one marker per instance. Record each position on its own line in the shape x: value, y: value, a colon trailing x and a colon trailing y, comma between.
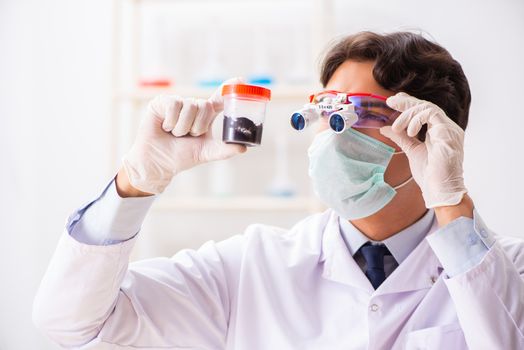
x: 403, y: 184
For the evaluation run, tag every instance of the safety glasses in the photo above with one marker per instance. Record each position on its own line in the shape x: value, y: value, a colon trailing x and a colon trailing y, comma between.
x: 344, y: 110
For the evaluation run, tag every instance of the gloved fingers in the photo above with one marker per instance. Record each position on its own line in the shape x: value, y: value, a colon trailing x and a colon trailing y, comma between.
x: 419, y: 120
x: 156, y: 106
x: 186, y: 118
x: 440, y: 117
x: 404, y: 119
x: 228, y: 150
x: 433, y: 116
x: 401, y: 138
x: 217, y: 150
x: 402, y: 101
x: 203, y: 118
x: 172, y: 112
x: 217, y: 100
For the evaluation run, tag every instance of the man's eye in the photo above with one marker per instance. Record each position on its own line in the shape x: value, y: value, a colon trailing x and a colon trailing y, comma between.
x: 373, y: 116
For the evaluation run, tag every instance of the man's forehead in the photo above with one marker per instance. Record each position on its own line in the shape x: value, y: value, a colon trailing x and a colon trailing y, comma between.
x: 353, y: 76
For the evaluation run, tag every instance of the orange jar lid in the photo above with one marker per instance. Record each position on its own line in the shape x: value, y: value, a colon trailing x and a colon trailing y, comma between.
x: 246, y: 90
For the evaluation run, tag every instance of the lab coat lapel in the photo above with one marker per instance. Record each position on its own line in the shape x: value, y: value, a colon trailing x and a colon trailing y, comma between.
x: 339, y: 265
x: 418, y: 271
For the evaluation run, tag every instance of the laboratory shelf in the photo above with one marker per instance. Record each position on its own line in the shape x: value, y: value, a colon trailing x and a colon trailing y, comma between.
x: 237, y: 203
x: 278, y: 92
x: 128, y: 99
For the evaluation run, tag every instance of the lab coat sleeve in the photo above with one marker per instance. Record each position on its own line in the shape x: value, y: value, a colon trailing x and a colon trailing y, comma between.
x: 90, y: 298
x: 485, y: 280
x: 109, y: 219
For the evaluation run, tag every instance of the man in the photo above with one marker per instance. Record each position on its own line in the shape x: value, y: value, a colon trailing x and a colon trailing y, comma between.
x: 412, y: 268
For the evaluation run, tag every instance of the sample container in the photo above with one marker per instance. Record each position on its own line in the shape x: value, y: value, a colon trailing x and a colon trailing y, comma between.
x: 244, y: 113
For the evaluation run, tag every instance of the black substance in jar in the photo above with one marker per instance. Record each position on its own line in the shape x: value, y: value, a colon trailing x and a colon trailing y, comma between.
x: 241, y: 130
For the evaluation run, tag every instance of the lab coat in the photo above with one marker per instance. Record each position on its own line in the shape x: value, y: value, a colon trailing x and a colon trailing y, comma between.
x: 272, y: 288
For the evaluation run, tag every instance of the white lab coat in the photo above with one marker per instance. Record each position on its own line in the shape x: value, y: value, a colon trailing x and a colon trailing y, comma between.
x: 276, y: 289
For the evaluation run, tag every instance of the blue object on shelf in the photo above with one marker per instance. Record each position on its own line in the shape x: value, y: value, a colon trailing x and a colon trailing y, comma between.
x: 260, y: 80
x: 211, y: 83
x: 282, y: 192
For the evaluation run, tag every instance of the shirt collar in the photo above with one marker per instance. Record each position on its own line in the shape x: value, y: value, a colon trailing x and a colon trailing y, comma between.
x: 400, y: 244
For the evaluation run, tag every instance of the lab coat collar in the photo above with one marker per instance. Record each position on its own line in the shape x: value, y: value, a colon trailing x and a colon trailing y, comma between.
x: 418, y: 271
x: 339, y: 265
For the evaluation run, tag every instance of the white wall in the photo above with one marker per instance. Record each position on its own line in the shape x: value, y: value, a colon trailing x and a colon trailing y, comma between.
x: 54, y: 94
x: 54, y: 109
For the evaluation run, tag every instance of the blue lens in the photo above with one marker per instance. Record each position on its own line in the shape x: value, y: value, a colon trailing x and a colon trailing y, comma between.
x: 297, y: 121
x: 336, y: 122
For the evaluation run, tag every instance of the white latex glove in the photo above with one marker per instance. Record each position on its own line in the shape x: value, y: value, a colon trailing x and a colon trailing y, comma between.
x: 175, y: 135
x: 436, y: 164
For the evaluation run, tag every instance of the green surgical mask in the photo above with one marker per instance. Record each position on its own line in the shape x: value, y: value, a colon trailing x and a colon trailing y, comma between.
x: 347, y: 171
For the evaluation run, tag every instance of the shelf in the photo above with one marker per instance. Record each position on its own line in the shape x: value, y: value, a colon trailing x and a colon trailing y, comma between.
x: 278, y: 92
x: 240, y: 203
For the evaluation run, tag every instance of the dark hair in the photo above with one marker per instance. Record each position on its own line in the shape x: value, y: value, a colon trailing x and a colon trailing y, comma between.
x: 407, y: 62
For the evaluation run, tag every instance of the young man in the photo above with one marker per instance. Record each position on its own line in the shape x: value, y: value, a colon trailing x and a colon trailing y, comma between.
x: 401, y: 261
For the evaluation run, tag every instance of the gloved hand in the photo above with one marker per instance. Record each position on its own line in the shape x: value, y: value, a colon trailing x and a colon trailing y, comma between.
x: 436, y: 164
x: 175, y: 135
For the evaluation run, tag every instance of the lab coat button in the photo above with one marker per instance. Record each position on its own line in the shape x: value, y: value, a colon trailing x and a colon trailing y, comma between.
x: 374, y: 307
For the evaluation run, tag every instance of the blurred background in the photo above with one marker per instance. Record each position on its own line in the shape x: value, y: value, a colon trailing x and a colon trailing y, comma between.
x: 76, y: 76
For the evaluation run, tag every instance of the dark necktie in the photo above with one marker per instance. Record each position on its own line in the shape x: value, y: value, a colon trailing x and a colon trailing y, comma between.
x: 374, y: 256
